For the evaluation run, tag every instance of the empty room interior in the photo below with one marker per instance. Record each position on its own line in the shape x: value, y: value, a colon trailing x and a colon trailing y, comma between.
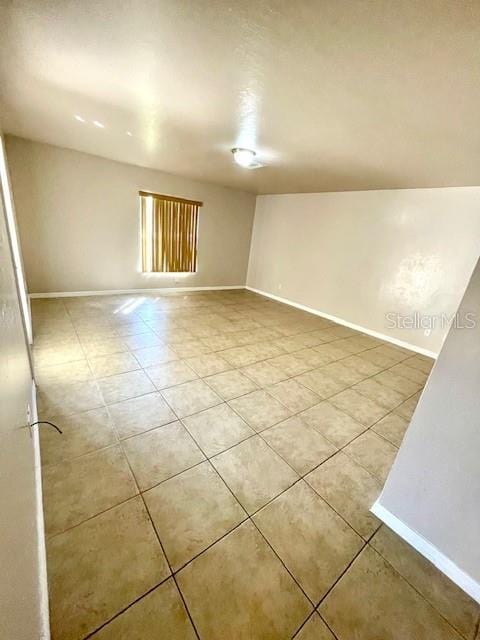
x: 240, y: 320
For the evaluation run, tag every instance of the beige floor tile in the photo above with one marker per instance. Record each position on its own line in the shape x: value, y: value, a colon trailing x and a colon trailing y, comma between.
x: 422, y: 363
x: 159, y: 354
x: 81, y: 488
x: 170, y: 374
x: 264, y: 350
x: 373, y: 453
x: 51, y: 336
x: 231, y: 384
x: 398, y: 353
x: 191, y: 348
x: 49, y: 356
x: 90, y: 569
x: 220, y: 342
x: 161, y: 453
x: 379, y: 393
x: 398, y: 383
x: 77, y: 371
x: 369, y: 341
x: 392, y: 428
x: 124, y: 386
x: 239, y: 589
x: 239, y: 356
x: 132, y: 329
x: 359, y: 407
x: 449, y: 600
x: 315, y: 544
x: 64, y: 400
x: 191, y: 511
x: 142, y: 340
x: 381, y: 604
x: 288, y: 327
x: 331, y: 352
x: 321, y: 383
x: 260, y: 409
x: 313, y: 358
x: 293, y: 395
x: 338, y: 427
x: 361, y: 365
x: 159, y: 614
x: 337, y: 331
x: 410, y: 373
x: 208, y: 364
x: 351, y: 345
x: 137, y: 415
x: 254, y: 473
x: 217, y: 429
x: 113, y: 364
x: 103, y: 346
x: 350, y: 489
x: 314, y: 629
x: 199, y: 330
x: 190, y: 397
x: 299, y: 444
x: 380, y: 358
x: 81, y: 433
x: 343, y: 373
x: 297, y: 343
x: 92, y: 335
x: 290, y: 365
x: 407, y: 408
x: 263, y: 373
x: 265, y: 334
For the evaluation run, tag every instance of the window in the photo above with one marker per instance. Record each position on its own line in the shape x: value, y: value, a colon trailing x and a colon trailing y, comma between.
x: 169, y: 228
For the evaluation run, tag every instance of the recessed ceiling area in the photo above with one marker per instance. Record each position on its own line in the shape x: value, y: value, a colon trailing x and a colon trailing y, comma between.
x: 331, y: 95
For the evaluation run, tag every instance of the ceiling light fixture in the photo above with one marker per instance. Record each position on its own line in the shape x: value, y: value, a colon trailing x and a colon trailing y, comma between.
x: 79, y: 118
x: 244, y: 157
x: 129, y: 133
x: 98, y: 124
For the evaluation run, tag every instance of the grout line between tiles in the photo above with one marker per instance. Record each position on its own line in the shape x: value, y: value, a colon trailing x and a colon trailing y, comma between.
x: 131, y: 604
x: 172, y: 573
x: 327, y: 625
x: 333, y: 585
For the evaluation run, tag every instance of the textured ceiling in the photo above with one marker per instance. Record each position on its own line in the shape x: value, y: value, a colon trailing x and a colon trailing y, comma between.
x: 333, y: 94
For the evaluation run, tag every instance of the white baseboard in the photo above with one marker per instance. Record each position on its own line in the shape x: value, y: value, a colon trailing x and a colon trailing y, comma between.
x: 429, y: 551
x: 40, y: 525
x: 345, y: 323
x: 113, y: 292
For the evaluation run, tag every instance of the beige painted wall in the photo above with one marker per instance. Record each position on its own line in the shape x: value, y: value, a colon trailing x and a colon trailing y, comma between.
x: 23, y: 606
x: 434, y: 485
x: 79, y: 222
x: 360, y: 255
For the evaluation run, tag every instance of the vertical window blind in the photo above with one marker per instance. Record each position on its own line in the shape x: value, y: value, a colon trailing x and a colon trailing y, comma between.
x: 169, y: 230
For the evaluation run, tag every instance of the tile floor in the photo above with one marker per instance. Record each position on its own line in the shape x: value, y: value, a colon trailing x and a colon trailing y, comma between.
x: 219, y: 456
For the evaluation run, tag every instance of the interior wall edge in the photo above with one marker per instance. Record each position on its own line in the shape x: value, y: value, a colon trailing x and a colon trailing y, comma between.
x: 112, y: 292
x: 346, y: 323
x: 42, y: 552
x: 428, y: 551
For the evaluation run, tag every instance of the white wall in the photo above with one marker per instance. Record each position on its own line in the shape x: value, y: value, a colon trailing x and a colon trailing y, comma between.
x: 360, y: 255
x: 433, y: 489
x: 23, y: 604
x: 78, y: 216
